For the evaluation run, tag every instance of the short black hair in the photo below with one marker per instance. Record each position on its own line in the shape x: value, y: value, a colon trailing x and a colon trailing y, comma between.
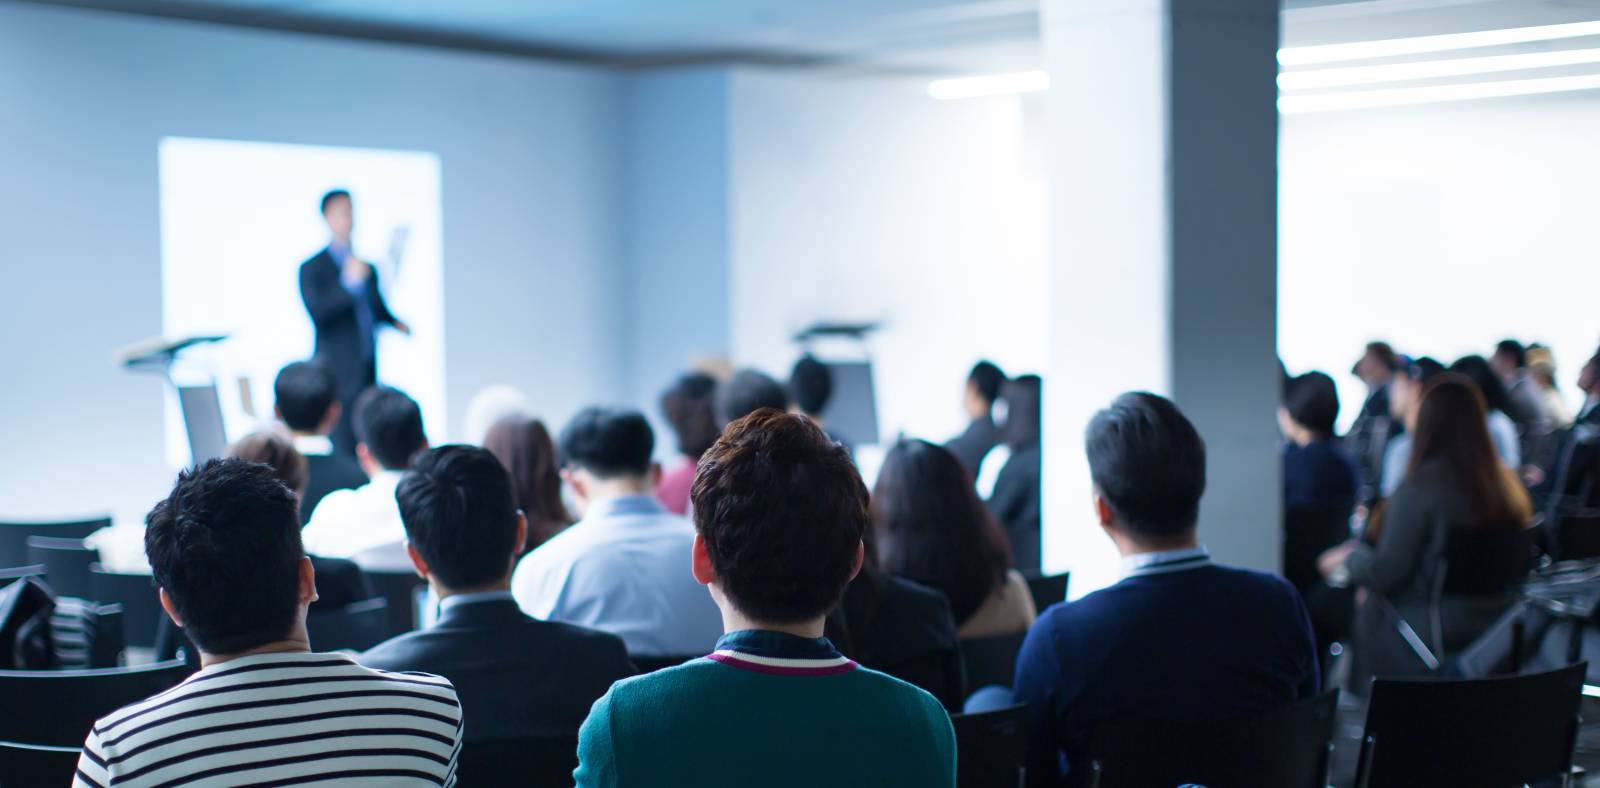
x: 1494, y: 392
x: 608, y: 442
x: 1423, y: 369
x: 389, y: 423
x: 988, y: 379
x: 687, y: 406
x: 332, y: 195
x: 458, y: 510
x: 1514, y: 349
x: 811, y: 385
x: 304, y: 391
x: 225, y: 544
x: 1149, y: 463
x: 1384, y: 353
x: 782, y: 511
x: 1312, y: 400
x: 748, y: 391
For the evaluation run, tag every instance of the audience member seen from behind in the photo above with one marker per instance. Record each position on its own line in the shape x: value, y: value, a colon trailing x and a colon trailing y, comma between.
x: 307, y: 402
x: 339, y: 581
x: 1502, y: 430
x: 931, y: 528
x: 1016, y: 501
x: 1374, y: 427
x: 225, y: 551
x: 1542, y: 373
x: 811, y: 388
x: 1319, y: 480
x: 748, y: 391
x: 688, y: 408
x: 1405, y: 395
x: 1523, y: 401
x: 1454, y: 486
x: 780, y: 513
x: 518, y: 677
x: 981, y: 434
x: 1180, y: 638
x: 364, y: 524
x: 624, y: 567
x: 524, y: 448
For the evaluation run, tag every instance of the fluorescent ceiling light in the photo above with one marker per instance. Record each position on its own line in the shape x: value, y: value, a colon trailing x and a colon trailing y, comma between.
x: 1363, y: 50
x: 1395, y: 97
x: 1430, y: 69
x: 990, y: 85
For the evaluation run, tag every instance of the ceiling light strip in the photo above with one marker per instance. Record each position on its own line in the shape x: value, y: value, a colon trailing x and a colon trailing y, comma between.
x: 989, y: 85
x: 1432, y: 69
x: 1396, y: 97
x: 1364, y: 50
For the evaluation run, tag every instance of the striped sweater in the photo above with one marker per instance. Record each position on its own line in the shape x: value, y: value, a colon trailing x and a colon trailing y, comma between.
x: 278, y: 719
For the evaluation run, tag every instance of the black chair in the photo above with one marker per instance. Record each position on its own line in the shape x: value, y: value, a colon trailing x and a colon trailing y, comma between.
x: 355, y: 627
x: 141, y: 603
x: 58, y: 707
x: 532, y: 762
x: 11, y: 573
x: 1471, y: 733
x: 14, y: 536
x: 1478, y: 562
x: 991, y: 661
x: 1047, y: 589
x: 1283, y: 748
x: 643, y: 665
x: 399, y: 590
x: 991, y: 747
x: 938, y: 672
x: 66, y: 563
x: 24, y: 765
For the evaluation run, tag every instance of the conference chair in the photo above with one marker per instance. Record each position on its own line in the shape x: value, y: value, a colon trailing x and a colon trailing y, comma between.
x: 10, y: 573
x: 399, y: 590
x: 27, y: 765
x: 140, y: 601
x: 58, y: 707
x: 991, y: 747
x: 532, y: 762
x: 1047, y: 590
x: 66, y: 563
x: 1472, y: 733
x: 14, y: 535
x: 354, y: 627
x: 1283, y: 748
x: 990, y: 661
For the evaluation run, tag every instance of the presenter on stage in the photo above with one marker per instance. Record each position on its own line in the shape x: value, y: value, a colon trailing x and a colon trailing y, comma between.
x: 346, y: 305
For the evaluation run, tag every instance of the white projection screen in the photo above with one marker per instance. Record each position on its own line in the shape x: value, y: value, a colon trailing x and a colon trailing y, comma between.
x: 237, y: 220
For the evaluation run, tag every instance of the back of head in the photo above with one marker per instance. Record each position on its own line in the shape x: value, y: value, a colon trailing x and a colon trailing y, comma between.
x: 1513, y: 353
x: 782, y: 511
x: 1023, y: 398
x: 1452, y: 432
x: 1488, y: 383
x: 688, y: 408
x: 1424, y: 369
x: 1312, y: 400
x: 931, y: 527
x: 274, y: 450
x: 457, y: 507
x: 524, y: 448
x: 304, y: 391
x: 389, y: 423
x: 811, y: 384
x: 608, y: 443
x: 1149, y: 464
x: 225, y: 545
x: 986, y: 379
x: 746, y: 392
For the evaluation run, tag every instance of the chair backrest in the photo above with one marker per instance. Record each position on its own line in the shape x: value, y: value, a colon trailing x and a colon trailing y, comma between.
x: 397, y: 589
x: 643, y: 665
x: 531, y: 761
x: 1488, y: 560
x: 141, y: 603
x: 7, y: 574
x: 1283, y: 748
x: 938, y: 672
x: 36, y: 764
x: 991, y: 747
x: 14, y: 535
x: 58, y: 707
x: 1510, y: 730
x: 66, y: 563
x: 1048, y: 589
x: 356, y: 627
x: 991, y: 661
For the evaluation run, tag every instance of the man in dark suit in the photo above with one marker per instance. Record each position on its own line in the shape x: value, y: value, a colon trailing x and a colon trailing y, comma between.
x: 306, y: 401
x: 981, y: 434
x: 518, y: 677
x: 346, y: 305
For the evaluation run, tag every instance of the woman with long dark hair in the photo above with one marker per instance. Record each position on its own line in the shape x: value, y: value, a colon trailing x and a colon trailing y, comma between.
x: 931, y: 528
x: 524, y: 447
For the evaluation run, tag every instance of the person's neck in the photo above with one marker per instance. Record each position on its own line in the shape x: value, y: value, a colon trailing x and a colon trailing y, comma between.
x: 289, y: 645
x: 734, y: 621
x: 601, y: 491
x: 1128, y: 546
x: 443, y: 592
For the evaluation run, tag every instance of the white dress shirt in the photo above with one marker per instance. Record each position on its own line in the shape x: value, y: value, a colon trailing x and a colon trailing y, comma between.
x: 624, y: 569
x: 366, y: 520
x: 1164, y: 561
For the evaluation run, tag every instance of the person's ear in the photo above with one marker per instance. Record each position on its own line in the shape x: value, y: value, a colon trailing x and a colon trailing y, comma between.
x: 654, y: 475
x: 859, y: 560
x: 704, y: 574
x: 522, y: 536
x: 1103, y: 512
x: 277, y: 412
x: 168, y: 605
x: 308, y: 581
x: 577, y: 481
x: 331, y: 417
x: 417, y: 563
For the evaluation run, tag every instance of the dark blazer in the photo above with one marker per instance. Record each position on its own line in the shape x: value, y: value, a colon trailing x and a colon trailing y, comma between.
x: 975, y: 443
x: 517, y: 676
x: 333, y: 315
x: 324, y: 474
x: 1017, y: 505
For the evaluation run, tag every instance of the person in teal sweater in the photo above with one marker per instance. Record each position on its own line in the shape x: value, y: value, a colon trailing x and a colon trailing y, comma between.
x: 779, y: 514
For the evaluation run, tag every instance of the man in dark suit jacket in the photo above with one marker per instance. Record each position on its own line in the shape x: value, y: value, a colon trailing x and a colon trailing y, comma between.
x: 306, y: 401
x: 518, y: 677
x: 346, y: 305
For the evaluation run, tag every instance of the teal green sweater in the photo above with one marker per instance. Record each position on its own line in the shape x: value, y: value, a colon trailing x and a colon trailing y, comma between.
x: 767, y: 709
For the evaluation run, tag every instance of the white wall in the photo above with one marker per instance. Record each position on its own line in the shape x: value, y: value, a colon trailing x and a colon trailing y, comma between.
x: 531, y: 195
x: 863, y: 199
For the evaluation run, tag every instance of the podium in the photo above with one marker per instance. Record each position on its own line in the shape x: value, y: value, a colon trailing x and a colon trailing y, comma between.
x: 201, y: 407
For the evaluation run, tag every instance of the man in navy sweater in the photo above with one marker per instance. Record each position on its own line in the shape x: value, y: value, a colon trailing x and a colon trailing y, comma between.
x: 1179, y: 638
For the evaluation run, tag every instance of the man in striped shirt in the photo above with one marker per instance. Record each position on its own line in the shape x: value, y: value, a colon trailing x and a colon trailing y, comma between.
x: 263, y: 710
